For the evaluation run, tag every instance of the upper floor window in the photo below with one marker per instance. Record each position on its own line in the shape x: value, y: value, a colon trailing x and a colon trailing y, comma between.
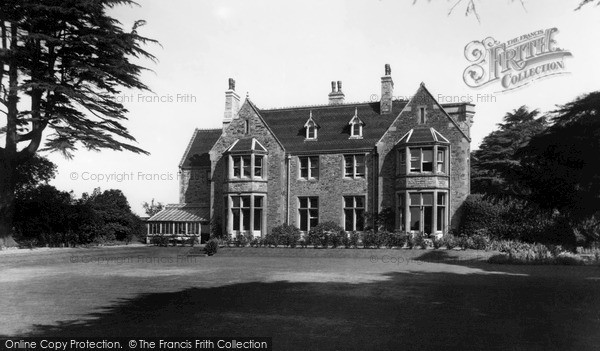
x: 356, y: 129
x: 441, y: 160
x: 311, y: 128
x: 247, y: 166
x: 309, y: 167
x: 354, y: 166
x: 246, y: 126
x: 356, y: 125
x: 421, y: 160
x: 422, y: 115
x: 311, y: 132
x: 401, y: 161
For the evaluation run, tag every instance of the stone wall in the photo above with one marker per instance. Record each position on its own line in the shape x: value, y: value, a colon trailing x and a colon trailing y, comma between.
x: 459, y: 180
x: 276, y: 182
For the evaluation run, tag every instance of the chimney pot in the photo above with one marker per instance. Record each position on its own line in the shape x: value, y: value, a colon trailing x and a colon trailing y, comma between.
x: 336, y: 96
x: 231, y: 84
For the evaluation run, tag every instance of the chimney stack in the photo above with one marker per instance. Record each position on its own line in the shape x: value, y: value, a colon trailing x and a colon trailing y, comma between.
x: 336, y: 96
x: 387, y: 91
x: 232, y: 104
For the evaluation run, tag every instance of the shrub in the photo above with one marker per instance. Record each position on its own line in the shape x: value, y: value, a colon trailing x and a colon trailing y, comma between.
x: 337, y: 238
x: 303, y: 243
x: 193, y: 240
x: 479, y: 242
x: 241, y: 240
x: 159, y: 240
x: 370, y: 238
x: 438, y: 242
x: 420, y: 241
x: 211, y: 247
x: 322, y: 233
x: 354, y: 238
x: 285, y: 234
x: 449, y: 241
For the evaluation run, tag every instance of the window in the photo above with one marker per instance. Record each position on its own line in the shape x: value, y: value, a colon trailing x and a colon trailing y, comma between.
x: 309, y: 167
x: 354, y: 213
x: 356, y: 129
x: 421, y: 160
x: 242, y: 166
x: 179, y: 228
x: 400, y: 220
x: 421, y: 212
x: 308, y: 212
x: 311, y: 131
x: 193, y: 228
x: 167, y: 228
x: 258, y: 212
x: 240, y: 211
x: 441, y: 160
x: 354, y: 166
x: 154, y: 228
x: 258, y: 166
x: 441, y: 212
x: 246, y: 126
x: 401, y: 161
x: 422, y: 115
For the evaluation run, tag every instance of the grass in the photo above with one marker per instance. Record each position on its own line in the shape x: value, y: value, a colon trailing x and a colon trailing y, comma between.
x: 305, y: 299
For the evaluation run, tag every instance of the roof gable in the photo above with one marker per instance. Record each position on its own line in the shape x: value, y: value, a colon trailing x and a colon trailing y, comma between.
x: 196, y: 153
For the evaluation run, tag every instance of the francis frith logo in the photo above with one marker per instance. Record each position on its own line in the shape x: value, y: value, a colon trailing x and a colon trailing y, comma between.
x: 515, y: 63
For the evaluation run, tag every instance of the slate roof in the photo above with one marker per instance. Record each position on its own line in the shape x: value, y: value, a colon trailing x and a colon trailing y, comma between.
x: 196, y: 154
x: 246, y: 144
x: 423, y: 135
x: 182, y: 213
x: 333, y: 132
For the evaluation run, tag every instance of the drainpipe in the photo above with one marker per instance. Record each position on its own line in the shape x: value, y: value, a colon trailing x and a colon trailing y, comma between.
x: 374, y: 188
x: 287, y: 195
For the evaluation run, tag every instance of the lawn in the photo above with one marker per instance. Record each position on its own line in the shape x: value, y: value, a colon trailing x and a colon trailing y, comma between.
x: 306, y: 299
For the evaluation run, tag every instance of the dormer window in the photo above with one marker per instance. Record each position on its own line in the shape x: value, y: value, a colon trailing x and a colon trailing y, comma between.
x: 311, y: 128
x: 356, y: 126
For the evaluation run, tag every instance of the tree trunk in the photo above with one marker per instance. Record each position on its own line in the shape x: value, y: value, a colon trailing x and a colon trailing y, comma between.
x: 7, y: 202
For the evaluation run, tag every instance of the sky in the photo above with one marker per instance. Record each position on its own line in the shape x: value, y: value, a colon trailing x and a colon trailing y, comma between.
x: 286, y: 53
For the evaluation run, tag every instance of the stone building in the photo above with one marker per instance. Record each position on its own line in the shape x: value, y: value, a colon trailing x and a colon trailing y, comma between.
x: 340, y: 162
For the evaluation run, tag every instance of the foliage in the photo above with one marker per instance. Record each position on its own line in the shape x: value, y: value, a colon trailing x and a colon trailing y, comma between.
x: 65, y: 62
x: 495, y: 165
x: 152, y: 208
x: 48, y: 216
x: 159, y: 240
x: 560, y: 165
x: 322, y: 233
x: 285, y: 234
x: 211, y: 247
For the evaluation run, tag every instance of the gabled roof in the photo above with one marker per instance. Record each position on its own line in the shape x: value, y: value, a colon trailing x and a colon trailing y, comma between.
x: 310, y: 122
x: 182, y: 213
x: 334, y: 129
x: 423, y: 135
x: 196, y: 154
x: 356, y: 119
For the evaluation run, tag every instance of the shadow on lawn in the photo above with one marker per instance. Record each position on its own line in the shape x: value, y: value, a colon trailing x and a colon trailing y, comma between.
x: 397, y: 311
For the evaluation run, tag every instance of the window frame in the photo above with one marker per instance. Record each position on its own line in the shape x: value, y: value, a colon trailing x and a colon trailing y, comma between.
x: 309, y: 167
x: 355, y: 166
x: 308, y: 209
x: 355, y: 209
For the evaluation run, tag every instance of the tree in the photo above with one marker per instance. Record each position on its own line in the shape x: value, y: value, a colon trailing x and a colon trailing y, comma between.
x: 62, y: 63
x: 560, y: 165
x: 151, y: 208
x: 495, y: 166
x: 471, y: 9
x: 114, y: 212
x: 33, y: 172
